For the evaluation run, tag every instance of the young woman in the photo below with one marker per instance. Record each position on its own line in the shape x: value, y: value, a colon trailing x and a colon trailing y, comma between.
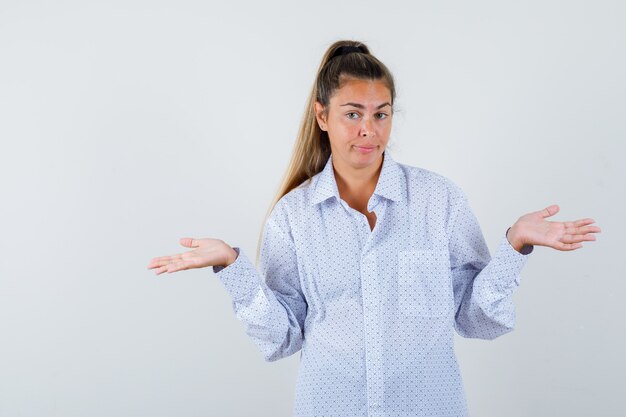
x: 368, y: 266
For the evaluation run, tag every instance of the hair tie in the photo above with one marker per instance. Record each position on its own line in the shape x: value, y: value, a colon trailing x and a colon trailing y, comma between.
x: 344, y: 50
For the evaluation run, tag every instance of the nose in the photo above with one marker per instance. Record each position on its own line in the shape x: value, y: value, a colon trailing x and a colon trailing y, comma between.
x: 367, y: 128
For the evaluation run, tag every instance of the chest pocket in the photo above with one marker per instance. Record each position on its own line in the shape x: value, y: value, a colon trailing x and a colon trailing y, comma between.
x: 424, y: 283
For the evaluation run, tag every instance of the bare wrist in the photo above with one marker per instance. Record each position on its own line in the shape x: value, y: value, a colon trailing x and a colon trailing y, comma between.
x: 231, y: 256
x: 514, y: 238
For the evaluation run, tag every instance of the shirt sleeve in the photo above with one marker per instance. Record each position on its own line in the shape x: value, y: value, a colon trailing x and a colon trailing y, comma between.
x: 483, y: 286
x: 269, y: 302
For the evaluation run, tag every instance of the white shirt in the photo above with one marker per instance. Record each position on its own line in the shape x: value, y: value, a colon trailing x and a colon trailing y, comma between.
x: 373, y: 312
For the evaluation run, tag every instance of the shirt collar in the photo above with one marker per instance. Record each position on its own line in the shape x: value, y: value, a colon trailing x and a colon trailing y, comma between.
x: 391, y: 182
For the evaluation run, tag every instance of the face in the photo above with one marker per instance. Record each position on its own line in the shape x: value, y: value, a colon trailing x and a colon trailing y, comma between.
x: 358, y: 122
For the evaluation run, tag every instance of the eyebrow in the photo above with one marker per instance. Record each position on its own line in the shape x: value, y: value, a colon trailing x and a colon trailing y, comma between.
x: 360, y: 106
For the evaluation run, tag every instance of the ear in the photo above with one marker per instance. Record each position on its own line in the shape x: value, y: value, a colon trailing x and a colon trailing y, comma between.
x: 320, y: 116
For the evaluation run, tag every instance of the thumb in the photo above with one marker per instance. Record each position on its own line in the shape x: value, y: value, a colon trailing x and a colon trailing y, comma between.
x: 549, y: 211
x: 189, y: 242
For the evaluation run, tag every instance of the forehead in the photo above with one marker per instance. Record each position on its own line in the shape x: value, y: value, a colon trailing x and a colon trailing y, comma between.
x: 366, y: 92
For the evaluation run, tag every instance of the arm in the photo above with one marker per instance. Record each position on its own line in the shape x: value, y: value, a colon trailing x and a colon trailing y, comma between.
x: 269, y: 302
x: 483, y: 286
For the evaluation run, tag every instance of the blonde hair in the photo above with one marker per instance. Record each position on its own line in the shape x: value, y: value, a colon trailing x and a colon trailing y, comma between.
x: 343, y: 60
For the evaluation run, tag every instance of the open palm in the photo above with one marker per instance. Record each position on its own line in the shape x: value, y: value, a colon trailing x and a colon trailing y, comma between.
x: 207, y: 252
x: 534, y: 229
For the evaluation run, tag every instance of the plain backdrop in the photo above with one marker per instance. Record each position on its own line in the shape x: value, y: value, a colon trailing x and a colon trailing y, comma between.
x: 126, y: 125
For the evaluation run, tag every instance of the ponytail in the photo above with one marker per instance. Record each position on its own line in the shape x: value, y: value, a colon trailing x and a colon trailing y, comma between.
x: 342, y: 60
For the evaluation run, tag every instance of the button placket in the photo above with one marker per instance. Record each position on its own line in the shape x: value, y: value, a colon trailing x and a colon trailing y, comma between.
x: 373, y: 336
x: 372, y: 304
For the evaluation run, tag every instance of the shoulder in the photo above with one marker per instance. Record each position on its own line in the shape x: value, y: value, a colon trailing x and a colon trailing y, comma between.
x: 423, y: 180
x: 295, y: 198
x: 291, y: 203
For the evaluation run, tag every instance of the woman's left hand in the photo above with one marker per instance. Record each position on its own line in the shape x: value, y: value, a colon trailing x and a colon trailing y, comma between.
x: 534, y: 229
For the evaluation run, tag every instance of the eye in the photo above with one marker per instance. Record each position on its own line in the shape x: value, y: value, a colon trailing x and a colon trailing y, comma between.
x: 382, y: 115
x: 352, y: 115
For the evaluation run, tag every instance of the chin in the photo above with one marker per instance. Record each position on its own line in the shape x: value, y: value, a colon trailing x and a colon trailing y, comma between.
x: 364, y: 158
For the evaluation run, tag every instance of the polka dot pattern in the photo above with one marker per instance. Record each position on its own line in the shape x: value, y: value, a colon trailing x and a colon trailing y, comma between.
x: 373, y: 312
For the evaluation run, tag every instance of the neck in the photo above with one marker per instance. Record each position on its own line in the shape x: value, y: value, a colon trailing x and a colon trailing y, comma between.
x: 356, y: 185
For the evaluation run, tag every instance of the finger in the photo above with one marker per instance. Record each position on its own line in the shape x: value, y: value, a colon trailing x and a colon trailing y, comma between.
x: 171, y: 267
x: 178, y: 266
x: 164, y: 260
x: 549, y: 211
x: 568, y: 246
x: 583, y: 222
x: 160, y: 270
x: 589, y: 229
x: 577, y: 238
x: 153, y: 263
x: 189, y: 242
x: 582, y: 230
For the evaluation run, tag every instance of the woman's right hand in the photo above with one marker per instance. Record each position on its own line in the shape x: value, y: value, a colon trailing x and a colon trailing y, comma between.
x: 207, y: 252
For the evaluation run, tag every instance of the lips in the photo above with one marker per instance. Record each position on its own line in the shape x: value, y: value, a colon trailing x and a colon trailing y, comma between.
x: 365, y: 148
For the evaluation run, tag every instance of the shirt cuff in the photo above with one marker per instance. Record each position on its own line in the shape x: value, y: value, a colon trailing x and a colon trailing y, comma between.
x: 240, y: 278
x: 509, y: 263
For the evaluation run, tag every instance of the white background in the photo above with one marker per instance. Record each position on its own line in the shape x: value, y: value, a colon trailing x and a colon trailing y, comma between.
x: 127, y: 125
